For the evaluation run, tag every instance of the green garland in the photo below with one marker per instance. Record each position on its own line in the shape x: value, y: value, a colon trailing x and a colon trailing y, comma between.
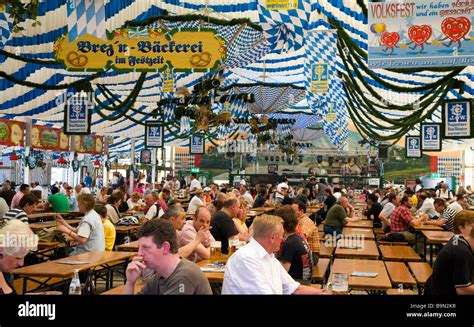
x: 189, y: 18
x: 21, y: 11
x: 29, y: 60
x: 54, y: 87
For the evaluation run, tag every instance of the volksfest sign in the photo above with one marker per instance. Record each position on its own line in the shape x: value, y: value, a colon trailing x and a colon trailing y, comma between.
x: 144, y: 49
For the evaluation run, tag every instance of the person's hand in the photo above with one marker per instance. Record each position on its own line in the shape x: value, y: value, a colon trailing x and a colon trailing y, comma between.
x: 60, y: 220
x: 202, y: 234
x: 134, y: 269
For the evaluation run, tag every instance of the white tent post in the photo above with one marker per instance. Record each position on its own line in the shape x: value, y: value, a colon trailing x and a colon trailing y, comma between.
x: 153, y: 167
x: 132, y: 163
x: 70, y: 175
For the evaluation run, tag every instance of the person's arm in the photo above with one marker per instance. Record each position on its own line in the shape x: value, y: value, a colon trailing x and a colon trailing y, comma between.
x: 469, y: 290
x: 436, y: 222
x: 134, y: 270
x: 286, y: 265
x: 188, y: 249
x: 61, y: 222
x: 308, y: 290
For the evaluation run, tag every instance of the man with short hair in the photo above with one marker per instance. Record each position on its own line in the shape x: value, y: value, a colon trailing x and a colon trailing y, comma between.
x: 7, y: 193
x: 375, y: 208
x: 453, y: 270
x: 158, y: 250
x: 24, y: 189
x: 338, y: 216
x: 253, y: 269
x: 72, y: 199
x: 223, y: 227
x: 246, y: 195
x: 401, y: 219
x: 427, y: 205
x: 26, y: 206
x: 196, y: 202
x: 112, y: 206
x: 446, y: 215
x: 154, y: 209
x: 308, y: 227
x: 201, y: 220
x: 387, y: 211
x: 461, y: 203
x: 58, y: 202
x: 194, y: 184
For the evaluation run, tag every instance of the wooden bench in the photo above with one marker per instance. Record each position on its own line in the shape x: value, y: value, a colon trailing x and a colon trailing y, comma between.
x: 378, y: 231
x: 422, y: 271
x: 121, y: 289
x: 403, y: 291
x: 325, y: 251
x: 31, y: 285
x: 320, y: 270
x: 399, y: 274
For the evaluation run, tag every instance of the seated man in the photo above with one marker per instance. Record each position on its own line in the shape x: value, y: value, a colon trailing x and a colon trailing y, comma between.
x: 177, y: 217
x: 308, y: 227
x: 338, y: 216
x: 58, y: 201
x: 453, y: 270
x: 446, y: 215
x: 158, y: 250
x: 401, y: 220
x: 154, y: 209
x: 223, y: 227
x: 253, y: 269
x: 25, y: 207
x: 201, y: 219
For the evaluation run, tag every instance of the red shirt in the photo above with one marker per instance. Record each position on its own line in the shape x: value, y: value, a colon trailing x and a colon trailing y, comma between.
x: 400, y: 219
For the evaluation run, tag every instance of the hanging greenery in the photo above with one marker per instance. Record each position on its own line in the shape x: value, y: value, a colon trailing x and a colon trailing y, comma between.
x: 21, y: 11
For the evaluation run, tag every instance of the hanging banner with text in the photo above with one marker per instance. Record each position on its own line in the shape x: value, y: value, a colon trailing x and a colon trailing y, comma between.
x: 144, y: 49
x: 457, y: 119
x: 413, y: 147
x: 281, y: 4
x: 11, y: 132
x: 91, y: 144
x: 154, y: 135
x: 48, y: 138
x: 77, y: 115
x: 422, y: 33
x: 196, y: 145
x: 431, y: 137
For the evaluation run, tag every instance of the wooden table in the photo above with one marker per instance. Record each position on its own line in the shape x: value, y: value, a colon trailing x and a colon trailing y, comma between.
x: 264, y: 209
x: 435, y: 238
x: 368, y: 251
x: 51, y: 269
x: 132, y: 246
x: 126, y: 229
x: 49, y: 224
x: 361, y: 224
x: 398, y: 253
x: 41, y: 215
x: 421, y: 227
x: 364, y: 232
x: 212, y: 277
x: 379, y: 283
x: 120, y: 290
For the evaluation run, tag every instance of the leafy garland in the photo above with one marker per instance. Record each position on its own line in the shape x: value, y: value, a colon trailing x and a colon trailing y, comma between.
x: 21, y: 11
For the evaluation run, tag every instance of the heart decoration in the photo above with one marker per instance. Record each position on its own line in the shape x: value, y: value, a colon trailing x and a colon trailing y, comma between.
x: 420, y: 33
x: 456, y: 28
x: 390, y: 39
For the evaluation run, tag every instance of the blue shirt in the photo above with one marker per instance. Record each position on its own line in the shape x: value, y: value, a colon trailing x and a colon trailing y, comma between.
x: 73, y: 203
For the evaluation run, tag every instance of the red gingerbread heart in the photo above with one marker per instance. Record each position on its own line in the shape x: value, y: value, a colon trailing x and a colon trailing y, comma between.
x: 390, y: 39
x: 456, y: 28
x: 419, y: 34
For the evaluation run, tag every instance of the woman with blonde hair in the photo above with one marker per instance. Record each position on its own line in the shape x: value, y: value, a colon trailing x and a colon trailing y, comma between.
x: 16, y: 241
x: 239, y: 222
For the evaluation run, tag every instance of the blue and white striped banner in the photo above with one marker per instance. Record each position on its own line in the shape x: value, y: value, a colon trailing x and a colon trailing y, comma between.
x: 86, y: 17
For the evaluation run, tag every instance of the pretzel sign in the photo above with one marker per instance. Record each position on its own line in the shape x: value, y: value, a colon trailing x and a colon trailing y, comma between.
x: 201, y: 60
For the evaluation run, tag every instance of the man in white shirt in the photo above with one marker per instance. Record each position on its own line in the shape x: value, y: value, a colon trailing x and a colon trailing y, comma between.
x: 196, y: 202
x: 195, y: 184
x: 427, y: 206
x: 460, y: 203
x: 155, y: 210
x: 282, y: 190
x: 246, y: 195
x: 253, y: 269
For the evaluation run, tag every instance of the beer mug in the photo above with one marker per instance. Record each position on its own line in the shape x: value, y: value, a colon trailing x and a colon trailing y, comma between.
x: 216, y: 254
x: 233, y: 243
x: 339, y: 283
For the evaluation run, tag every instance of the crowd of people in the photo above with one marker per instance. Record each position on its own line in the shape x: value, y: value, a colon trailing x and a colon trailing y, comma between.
x: 280, y: 250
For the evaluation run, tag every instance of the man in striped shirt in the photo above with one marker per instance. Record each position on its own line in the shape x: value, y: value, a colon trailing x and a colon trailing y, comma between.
x: 26, y: 206
x: 446, y: 217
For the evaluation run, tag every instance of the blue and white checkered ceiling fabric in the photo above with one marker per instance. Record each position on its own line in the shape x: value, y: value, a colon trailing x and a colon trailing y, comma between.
x: 285, y: 29
x: 6, y: 25
x: 18, y: 102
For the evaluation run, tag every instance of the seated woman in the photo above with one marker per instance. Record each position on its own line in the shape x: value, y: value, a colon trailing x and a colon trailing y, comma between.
x: 239, y: 222
x: 11, y: 257
x: 135, y: 201
x: 89, y: 235
x: 109, y: 229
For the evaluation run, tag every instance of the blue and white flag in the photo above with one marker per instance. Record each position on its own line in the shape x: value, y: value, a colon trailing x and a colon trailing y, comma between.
x: 6, y: 26
x: 284, y: 23
x: 86, y: 17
